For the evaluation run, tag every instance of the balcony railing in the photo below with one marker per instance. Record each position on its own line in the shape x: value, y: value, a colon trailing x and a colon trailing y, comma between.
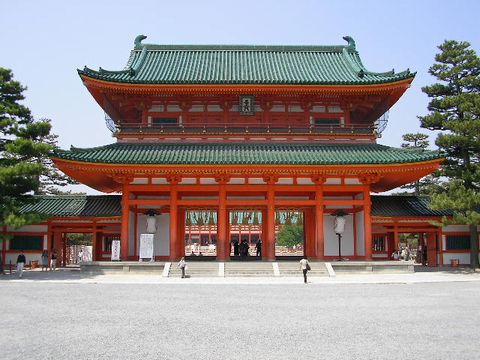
x: 243, y: 128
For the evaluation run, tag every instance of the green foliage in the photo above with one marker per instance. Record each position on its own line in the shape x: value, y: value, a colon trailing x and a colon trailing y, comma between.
x: 455, y: 112
x: 79, y: 239
x: 290, y: 235
x: 24, y: 147
x: 417, y: 142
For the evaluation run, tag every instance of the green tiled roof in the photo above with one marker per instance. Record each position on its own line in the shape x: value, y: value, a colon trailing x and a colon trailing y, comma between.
x: 110, y: 205
x: 245, y: 154
x: 245, y: 64
x: 397, y: 205
x: 75, y: 205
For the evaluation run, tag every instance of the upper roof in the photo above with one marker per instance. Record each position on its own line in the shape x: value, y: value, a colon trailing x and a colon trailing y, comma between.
x: 245, y: 64
x: 245, y: 154
x: 75, y: 205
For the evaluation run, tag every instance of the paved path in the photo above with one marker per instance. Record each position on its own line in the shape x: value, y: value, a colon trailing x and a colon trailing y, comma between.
x: 65, y: 315
x: 75, y: 276
x: 75, y: 320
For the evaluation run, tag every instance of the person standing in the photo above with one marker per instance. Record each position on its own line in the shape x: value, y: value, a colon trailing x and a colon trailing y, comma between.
x: 45, y: 260
x: 182, y: 264
x: 259, y: 247
x: 53, y: 260
x: 304, y: 266
x: 20, y: 264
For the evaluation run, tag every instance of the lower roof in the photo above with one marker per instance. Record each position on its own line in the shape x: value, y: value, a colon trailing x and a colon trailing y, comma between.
x: 245, y: 154
x: 110, y: 205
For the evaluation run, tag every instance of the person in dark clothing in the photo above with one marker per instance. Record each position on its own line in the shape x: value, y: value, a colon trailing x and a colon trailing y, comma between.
x: 244, y: 249
x: 236, y: 248
x: 259, y: 247
x: 20, y: 264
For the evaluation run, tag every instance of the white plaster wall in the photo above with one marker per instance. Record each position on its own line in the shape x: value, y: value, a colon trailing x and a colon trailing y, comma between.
x: 456, y: 228
x: 464, y: 258
x: 161, y: 244
x: 30, y: 228
x: 12, y: 256
x: 331, y: 239
x: 360, y: 232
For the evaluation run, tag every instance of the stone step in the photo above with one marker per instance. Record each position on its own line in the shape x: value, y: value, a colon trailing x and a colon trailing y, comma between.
x: 248, y: 269
x: 293, y: 269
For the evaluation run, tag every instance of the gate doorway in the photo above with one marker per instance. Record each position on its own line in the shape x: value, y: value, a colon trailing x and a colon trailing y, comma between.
x: 77, y: 248
x: 289, y: 233
x: 245, y: 234
x: 200, y: 233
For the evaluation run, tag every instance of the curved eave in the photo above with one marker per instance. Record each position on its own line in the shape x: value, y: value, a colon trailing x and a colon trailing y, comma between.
x: 147, y: 88
x: 104, y: 176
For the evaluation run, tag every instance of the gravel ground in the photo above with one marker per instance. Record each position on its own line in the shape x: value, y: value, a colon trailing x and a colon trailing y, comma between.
x: 204, y: 321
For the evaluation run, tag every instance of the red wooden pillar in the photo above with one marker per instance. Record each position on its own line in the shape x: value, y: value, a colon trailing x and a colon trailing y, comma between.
x: 395, y: 239
x: 64, y: 249
x: 270, y: 238
x: 222, y: 223
x: 264, y: 233
x: 125, y: 223
x: 4, y: 246
x: 440, y: 245
x: 181, y: 233
x: 94, y: 241
x: 368, y: 223
x: 319, y: 235
x: 309, y: 230
x: 173, y: 220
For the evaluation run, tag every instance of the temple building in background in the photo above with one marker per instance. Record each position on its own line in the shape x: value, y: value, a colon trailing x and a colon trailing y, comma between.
x: 226, y: 145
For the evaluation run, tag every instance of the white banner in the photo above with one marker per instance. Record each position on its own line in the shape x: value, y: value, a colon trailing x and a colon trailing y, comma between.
x: 87, y: 253
x: 115, y: 250
x: 146, y: 246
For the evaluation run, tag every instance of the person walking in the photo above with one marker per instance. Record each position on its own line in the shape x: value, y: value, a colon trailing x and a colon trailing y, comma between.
x: 53, y: 260
x: 182, y: 264
x: 45, y: 260
x: 20, y: 264
x: 305, y: 267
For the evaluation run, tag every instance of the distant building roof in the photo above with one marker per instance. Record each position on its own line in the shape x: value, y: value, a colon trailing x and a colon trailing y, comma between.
x: 245, y: 154
x: 245, y: 64
x: 398, y: 205
x: 76, y: 205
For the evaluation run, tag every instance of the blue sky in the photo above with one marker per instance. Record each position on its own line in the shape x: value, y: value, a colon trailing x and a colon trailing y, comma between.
x: 44, y: 42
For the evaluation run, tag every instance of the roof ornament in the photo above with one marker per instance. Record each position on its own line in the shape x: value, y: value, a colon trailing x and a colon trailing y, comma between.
x: 138, y: 40
x: 351, y: 42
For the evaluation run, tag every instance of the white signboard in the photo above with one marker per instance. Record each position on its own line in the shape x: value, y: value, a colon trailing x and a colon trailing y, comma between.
x: 115, y: 250
x: 87, y: 253
x: 146, y: 246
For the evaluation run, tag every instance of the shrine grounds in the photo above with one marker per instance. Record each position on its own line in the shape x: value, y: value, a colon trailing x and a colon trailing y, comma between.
x: 99, y: 319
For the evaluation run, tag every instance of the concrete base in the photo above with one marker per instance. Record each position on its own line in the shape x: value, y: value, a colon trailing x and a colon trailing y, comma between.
x: 157, y: 268
x: 121, y: 267
x: 372, y: 266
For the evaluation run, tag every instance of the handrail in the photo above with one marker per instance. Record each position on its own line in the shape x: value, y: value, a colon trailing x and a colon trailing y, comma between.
x: 247, y: 128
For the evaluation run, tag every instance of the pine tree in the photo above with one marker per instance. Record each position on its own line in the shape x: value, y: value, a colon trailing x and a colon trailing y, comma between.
x: 24, y: 147
x: 416, y: 142
x: 455, y: 112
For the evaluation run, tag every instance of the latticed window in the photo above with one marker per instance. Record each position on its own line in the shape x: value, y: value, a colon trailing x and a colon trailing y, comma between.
x: 26, y: 242
x: 378, y: 243
x: 458, y: 242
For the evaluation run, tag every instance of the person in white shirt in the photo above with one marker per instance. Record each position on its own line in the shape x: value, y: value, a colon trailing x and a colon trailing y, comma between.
x: 182, y: 265
x: 304, y: 266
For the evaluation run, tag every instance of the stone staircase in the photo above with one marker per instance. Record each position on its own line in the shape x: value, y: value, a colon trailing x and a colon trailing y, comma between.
x: 292, y: 268
x: 248, y: 269
x: 196, y: 269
